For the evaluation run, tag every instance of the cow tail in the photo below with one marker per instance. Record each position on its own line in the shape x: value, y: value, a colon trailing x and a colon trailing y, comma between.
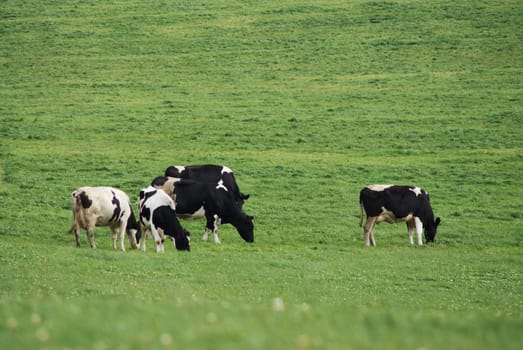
x: 361, y: 213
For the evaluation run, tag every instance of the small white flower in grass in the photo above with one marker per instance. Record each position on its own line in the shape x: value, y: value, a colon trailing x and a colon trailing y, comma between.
x: 211, y: 318
x: 43, y: 335
x: 277, y: 304
x: 304, y: 307
x: 303, y: 342
x: 36, y: 319
x: 100, y: 345
x: 166, y: 339
x: 12, y: 323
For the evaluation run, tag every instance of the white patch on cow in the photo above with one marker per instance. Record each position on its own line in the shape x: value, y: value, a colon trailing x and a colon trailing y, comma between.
x: 217, y: 222
x: 180, y: 168
x: 416, y: 190
x: 419, y: 229
x: 221, y: 185
x: 389, y: 217
x: 200, y: 213
x: 378, y: 188
x: 226, y: 170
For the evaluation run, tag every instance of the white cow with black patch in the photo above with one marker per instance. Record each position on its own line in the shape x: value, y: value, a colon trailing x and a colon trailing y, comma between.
x: 103, y: 206
x: 392, y: 203
x: 158, y: 216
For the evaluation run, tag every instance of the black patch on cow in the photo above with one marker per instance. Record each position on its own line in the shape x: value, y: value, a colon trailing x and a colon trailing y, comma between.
x: 210, y: 173
x: 146, y: 195
x: 84, y: 199
x: 159, y: 181
x: 145, y: 212
x: 117, y: 212
x: 172, y: 172
x: 165, y: 218
x: 132, y: 224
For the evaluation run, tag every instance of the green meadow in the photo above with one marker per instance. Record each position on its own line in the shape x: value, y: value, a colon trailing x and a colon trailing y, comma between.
x: 308, y: 102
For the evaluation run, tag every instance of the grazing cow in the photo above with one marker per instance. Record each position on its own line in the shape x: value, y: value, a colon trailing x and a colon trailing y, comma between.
x: 214, y: 200
x: 103, y: 206
x: 209, y: 173
x: 158, y: 216
x: 391, y: 203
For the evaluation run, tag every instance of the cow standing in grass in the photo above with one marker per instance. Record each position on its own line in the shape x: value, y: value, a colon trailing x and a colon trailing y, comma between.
x: 157, y: 215
x: 103, y: 206
x: 209, y: 173
x: 214, y: 200
x: 392, y: 204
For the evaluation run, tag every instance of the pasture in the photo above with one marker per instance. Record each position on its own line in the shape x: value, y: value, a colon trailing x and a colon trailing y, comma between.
x: 307, y: 102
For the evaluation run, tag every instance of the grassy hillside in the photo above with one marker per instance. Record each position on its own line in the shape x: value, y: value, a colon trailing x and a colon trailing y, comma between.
x: 308, y: 102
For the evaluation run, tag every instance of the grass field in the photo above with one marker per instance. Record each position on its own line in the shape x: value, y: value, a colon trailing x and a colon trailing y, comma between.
x: 308, y: 101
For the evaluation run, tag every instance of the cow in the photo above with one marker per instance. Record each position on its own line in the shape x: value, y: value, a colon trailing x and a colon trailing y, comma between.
x: 157, y: 215
x: 103, y: 206
x: 209, y: 173
x: 391, y: 203
x: 214, y: 200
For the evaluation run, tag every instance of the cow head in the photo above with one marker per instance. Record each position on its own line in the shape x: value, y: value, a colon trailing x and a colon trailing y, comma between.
x: 138, y: 236
x: 246, y: 228
x: 183, y: 241
x: 135, y: 237
x: 430, y: 231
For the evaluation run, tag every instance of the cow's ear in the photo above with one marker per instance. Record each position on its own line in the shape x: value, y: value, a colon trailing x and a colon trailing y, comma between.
x: 437, y: 221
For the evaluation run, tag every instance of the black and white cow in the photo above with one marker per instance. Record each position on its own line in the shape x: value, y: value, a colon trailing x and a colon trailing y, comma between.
x: 391, y: 203
x: 209, y: 173
x: 214, y: 200
x: 103, y: 206
x: 157, y: 215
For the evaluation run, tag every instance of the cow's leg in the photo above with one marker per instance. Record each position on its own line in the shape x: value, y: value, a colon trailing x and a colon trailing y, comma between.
x: 216, y: 224
x: 419, y: 229
x: 90, y: 235
x: 410, y: 229
x: 123, y: 225
x: 144, y: 236
x: 372, y: 240
x: 114, y: 236
x: 205, y: 236
x: 368, y: 229
x: 209, y: 225
x: 77, y: 230
x: 158, y: 238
